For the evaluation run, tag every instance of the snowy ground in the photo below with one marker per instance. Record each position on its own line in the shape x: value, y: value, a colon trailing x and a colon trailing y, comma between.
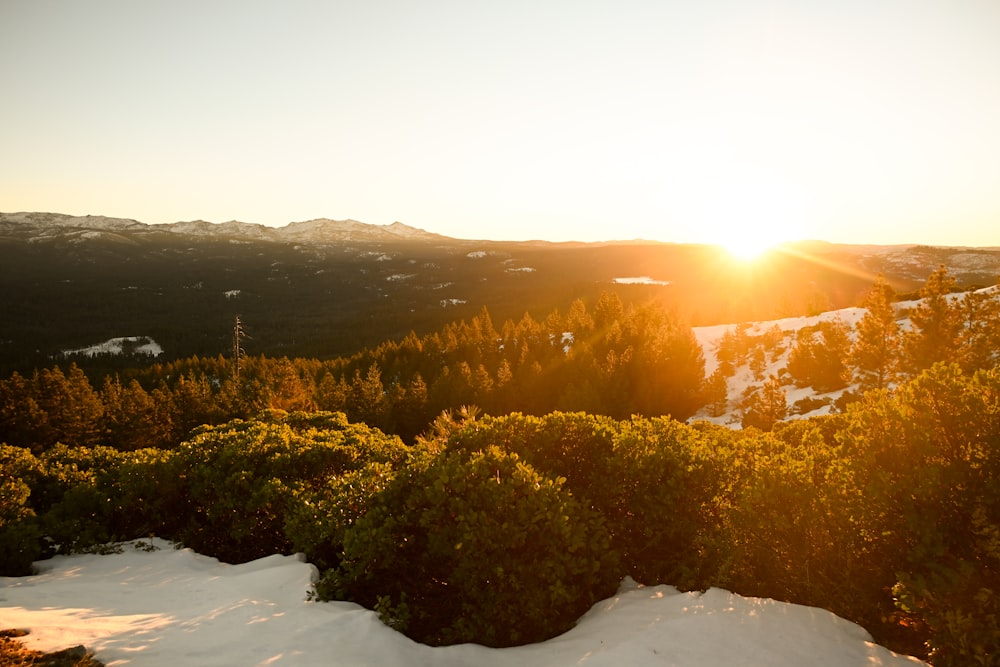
x: 135, y: 344
x: 155, y: 605
x: 708, y: 338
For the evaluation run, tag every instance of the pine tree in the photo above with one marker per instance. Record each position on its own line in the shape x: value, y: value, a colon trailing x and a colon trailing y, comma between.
x: 133, y: 419
x: 765, y: 407
x: 366, y: 400
x: 979, y: 338
x: 287, y: 388
x: 818, y: 358
x: 21, y: 418
x: 876, y: 350
x: 716, y: 393
x: 73, y: 409
x: 936, y: 325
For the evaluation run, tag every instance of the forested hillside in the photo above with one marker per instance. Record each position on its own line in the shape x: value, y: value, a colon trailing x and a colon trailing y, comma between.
x: 608, y: 358
x: 325, y: 289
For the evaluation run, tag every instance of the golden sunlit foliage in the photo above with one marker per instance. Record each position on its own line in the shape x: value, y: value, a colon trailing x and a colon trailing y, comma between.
x: 886, y: 515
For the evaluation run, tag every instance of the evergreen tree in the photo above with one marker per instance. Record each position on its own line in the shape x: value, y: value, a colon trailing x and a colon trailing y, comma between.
x: 73, y: 409
x: 366, y: 399
x: 412, y: 414
x: 716, y: 393
x: 758, y: 362
x: 936, y: 325
x: 876, y: 350
x: 766, y: 406
x: 21, y: 418
x: 979, y: 338
x: 193, y: 403
x: 332, y: 392
x: 819, y: 356
x: 288, y: 389
x: 132, y: 418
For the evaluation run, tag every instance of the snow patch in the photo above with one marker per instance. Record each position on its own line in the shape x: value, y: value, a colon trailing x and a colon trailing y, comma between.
x: 639, y: 280
x: 156, y: 605
x: 121, y: 345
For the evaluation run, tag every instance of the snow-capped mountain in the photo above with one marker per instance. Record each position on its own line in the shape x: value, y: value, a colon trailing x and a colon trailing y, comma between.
x: 45, y: 226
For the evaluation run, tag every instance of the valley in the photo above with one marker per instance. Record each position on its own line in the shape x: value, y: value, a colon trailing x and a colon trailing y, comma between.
x: 328, y: 288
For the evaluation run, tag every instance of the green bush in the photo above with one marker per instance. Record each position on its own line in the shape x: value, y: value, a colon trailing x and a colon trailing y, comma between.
x: 662, y: 498
x: 75, y: 502
x: 320, y: 515
x: 20, y: 536
x: 475, y: 548
x: 74, y: 499
x: 238, y: 482
x: 925, y: 460
x: 655, y: 481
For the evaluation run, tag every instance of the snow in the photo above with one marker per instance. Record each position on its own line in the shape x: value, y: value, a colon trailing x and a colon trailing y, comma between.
x: 708, y: 337
x: 155, y: 605
x: 639, y: 280
x: 135, y: 344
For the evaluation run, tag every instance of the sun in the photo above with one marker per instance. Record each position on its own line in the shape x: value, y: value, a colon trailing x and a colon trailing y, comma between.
x: 749, y: 248
x: 750, y: 217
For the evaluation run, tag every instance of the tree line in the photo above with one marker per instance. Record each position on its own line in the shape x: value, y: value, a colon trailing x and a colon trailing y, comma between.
x: 610, y: 358
x: 607, y: 358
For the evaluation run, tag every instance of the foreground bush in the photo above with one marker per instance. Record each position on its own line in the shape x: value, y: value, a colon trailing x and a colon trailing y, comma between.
x: 19, y: 531
x: 926, y: 461
x: 475, y: 548
x: 503, y: 530
x: 237, y: 483
x: 655, y: 481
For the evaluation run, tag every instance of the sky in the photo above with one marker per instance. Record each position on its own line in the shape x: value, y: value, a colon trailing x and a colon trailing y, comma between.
x: 717, y: 121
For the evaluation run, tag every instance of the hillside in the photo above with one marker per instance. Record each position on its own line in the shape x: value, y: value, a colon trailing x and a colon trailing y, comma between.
x: 324, y: 288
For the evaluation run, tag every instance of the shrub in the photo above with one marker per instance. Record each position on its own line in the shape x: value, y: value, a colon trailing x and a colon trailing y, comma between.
x: 320, y: 515
x: 475, y: 548
x: 655, y: 481
x: 239, y: 481
x: 925, y: 460
x: 662, y: 499
x: 19, y: 532
x: 72, y: 509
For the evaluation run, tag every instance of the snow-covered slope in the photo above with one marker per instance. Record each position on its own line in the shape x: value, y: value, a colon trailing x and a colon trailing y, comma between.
x: 710, y: 337
x: 153, y: 605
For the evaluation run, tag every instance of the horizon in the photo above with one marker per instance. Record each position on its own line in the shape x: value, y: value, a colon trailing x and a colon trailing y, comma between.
x: 756, y: 250
x: 723, y: 123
